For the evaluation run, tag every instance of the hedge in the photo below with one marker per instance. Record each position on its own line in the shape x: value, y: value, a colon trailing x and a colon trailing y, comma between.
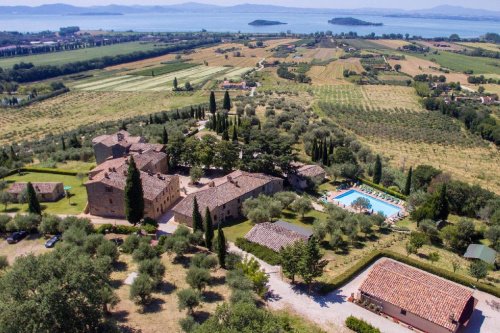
x: 116, y: 229
x: 259, y: 251
x: 366, y: 261
x: 48, y: 170
x: 360, y: 326
x: 383, y: 189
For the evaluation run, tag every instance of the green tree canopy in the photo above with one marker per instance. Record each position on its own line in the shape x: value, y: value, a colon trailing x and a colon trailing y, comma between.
x: 134, y: 195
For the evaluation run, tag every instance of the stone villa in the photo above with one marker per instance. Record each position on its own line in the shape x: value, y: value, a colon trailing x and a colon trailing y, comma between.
x: 306, y: 175
x: 277, y: 235
x: 224, y: 196
x: 106, y: 184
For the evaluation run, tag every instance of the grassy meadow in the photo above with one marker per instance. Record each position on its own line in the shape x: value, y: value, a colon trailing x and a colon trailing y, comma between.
x: 59, y: 58
x: 462, y: 63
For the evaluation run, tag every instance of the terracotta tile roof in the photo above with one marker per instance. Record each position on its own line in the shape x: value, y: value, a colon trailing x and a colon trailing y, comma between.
x: 274, y: 236
x: 122, y: 138
x: 425, y: 295
x: 152, y: 184
x: 312, y: 170
x: 41, y: 188
x: 224, y: 190
x: 148, y: 157
x: 142, y: 147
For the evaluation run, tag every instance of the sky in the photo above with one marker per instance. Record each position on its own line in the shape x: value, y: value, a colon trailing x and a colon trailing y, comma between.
x: 402, y: 4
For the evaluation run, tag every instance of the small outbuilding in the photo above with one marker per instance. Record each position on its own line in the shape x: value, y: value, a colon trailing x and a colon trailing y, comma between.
x: 306, y: 175
x: 277, y: 235
x: 482, y: 252
x: 46, y: 192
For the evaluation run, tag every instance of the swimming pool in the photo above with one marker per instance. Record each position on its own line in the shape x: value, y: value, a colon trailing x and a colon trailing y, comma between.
x: 377, y: 205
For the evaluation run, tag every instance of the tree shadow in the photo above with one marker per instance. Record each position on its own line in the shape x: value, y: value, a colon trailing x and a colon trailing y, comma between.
x: 423, y: 255
x: 154, y: 306
x: 211, y: 296
x: 167, y: 288
x: 128, y: 329
x: 116, y: 283
x: 120, y: 266
x: 183, y: 261
x: 372, y: 237
x: 218, y: 281
x: 201, y: 316
x: 358, y: 244
x: 308, y: 219
x: 12, y: 210
x: 289, y: 215
x: 120, y: 316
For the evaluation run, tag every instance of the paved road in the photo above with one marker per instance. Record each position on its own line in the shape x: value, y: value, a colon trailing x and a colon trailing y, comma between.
x: 333, y: 308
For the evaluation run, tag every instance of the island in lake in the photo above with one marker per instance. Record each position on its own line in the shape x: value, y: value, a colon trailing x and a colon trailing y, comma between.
x: 265, y: 22
x: 351, y: 21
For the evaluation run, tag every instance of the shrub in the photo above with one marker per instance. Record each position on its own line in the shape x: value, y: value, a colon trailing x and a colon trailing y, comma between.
x: 198, y: 278
x: 50, y: 224
x: 4, y: 219
x: 3, y: 262
x: 130, y: 244
x: 261, y: 252
x: 188, y: 324
x: 236, y: 279
x: 154, y: 269
x: 202, y: 260
x: 360, y: 326
x: 141, y: 289
x: 383, y: 189
x: 149, y: 229
x: 232, y: 260
x: 144, y: 251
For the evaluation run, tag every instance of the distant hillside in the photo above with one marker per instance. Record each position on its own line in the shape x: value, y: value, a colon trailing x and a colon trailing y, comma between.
x: 351, y: 21
x: 265, y: 23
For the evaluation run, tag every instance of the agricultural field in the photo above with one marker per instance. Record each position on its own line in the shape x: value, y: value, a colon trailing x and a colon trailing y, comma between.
x: 485, y: 46
x: 391, y: 43
x: 462, y: 63
x: 333, y: 73
x: 366, y: 44
x: 75, y: 205
x: 59, y: 58
x: 161, y: 83
x: 413, y: 65
x: 164, y: 69
x: 442, y: 46
x: 70, y: 110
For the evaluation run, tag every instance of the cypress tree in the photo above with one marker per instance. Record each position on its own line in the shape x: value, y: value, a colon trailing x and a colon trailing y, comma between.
x: 225, y: 135
x: 325, y: 153
x: 213, y: 104
x: 235, y: 134
x: 175, y: 84
x: 408, y: 182
x: 311, y: 264
x: 150, y: 119
x: 13, y: 155
x: 63, y: 144
x: 33, y: 204
x: 209, y: 230
x: 377, y: 171
x: 164, y: 136
x: 226, y: 105
x: 442, y: 207
x: 313, y: 151
x: 134, y: 195
x: 197, y: 219
x: 330, y: 149
x: 191, y: 112
x: 221, y: 247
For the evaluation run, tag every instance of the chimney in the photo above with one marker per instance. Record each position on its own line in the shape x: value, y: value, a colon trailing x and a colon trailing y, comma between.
x: 106, y: 175
x: 230, y: 179
x: 120, y: 136
x: 211, y: 184
x: 125, y: 173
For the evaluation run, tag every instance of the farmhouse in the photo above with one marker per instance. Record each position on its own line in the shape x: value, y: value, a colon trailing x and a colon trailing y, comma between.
x: 234, y: 85
x: 481, y: 252
x: 105, y: 190
x: 306, y: 175
x: 224, y: 196
x: 278, y: 235
x: 422, y: 300
x: 46, y: 192
x: 114, y: 145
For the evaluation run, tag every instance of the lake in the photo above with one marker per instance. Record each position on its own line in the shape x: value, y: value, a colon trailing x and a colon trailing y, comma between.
x: 234, y: 22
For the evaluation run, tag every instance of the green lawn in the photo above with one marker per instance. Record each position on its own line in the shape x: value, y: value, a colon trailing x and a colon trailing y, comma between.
x: 78, y: 200
x: 59, y: 58
x: 461, y: 63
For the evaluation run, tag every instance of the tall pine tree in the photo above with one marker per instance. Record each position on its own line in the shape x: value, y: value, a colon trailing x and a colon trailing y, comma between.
x: 63, y: 144
x: 377, y: 170
x: 209, y: 230
x: 197, y: 219
x: 221, y: 247
x: 311, y: 264
x: 33, y: 204
x: 408, y: 182
x: 134, y: 195
x: 213, y: 104
x: 226, y: 105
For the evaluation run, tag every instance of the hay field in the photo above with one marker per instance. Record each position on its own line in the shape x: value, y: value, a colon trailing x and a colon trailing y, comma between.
x: 414, y: 66
x: 486, y: 46
x: 60, y: 58
x: 492, y: 88
x: 475, y: 165
x: 461, y: 63
x: 443, y: 46
x: 68, y: 111
x: 333, y: 73
x: 391, y: 43
x: 194, y: 75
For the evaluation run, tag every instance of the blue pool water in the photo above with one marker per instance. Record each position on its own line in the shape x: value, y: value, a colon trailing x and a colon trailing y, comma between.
x: 377, y: 205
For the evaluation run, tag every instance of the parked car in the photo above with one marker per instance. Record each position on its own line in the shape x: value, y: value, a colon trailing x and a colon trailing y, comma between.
x: 16, y: 237
x: 51, y: 242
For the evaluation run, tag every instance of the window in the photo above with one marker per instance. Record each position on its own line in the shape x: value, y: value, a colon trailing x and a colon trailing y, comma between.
x: 403, y: 312
x: 215, y: 217
x: 111, y: 201
x: 224, y: 206
x: 108, y: 189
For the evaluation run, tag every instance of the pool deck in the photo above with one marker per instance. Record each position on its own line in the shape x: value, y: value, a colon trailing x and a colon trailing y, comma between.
x: 333, y: 194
